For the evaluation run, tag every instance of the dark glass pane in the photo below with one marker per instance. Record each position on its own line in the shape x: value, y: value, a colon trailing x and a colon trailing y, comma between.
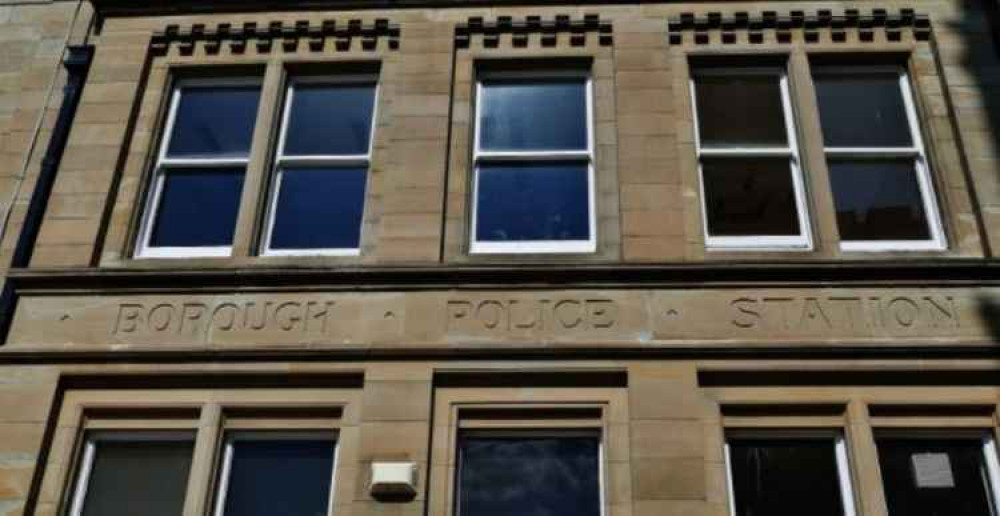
x: 319, y: 208
x: 523, y: 116
x: 740, y: 111
x: 138, y: 477
x: 533, y: 201
x: 862, y: 110
x: 529, y: 476
x: 330, y: 120
x: 214, y: 122
x: 878, y: 200
x: 785, y: 477
x: 280, y: 478
x: 197, y: 207
x: 936, y: 477
x: 749, y: 197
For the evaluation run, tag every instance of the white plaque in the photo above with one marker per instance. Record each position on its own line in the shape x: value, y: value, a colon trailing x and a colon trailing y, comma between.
x: 932, y: 470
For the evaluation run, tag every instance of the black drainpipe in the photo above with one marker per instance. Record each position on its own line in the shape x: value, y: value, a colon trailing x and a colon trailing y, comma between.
x: 77, y: 63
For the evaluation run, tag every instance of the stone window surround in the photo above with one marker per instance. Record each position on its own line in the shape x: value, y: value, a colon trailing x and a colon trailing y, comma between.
x: 858, y: 416
x: 280, y: 160
x: 916, y: 151
x: 528, y: 51
x: 917, y: 60
x: 163, y: 164
x: 802, y: 241
x: 547, y: 411
x: 208, y: 415
x: 205, y: 58
x: 535, y: 156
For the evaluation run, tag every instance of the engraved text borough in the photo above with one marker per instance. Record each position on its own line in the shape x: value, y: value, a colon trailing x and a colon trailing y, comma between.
x: 201, y: 319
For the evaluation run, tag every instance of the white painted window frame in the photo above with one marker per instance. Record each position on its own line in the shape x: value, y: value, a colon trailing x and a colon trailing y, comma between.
x: 529, y: 433
x: 225, y: 468
x: 282, y: 160
x: 847, y: 496
x: 804, y: 240
x: 917, y: 152
x: 80, y: 489
x: 988, y: 446
x: 992, y: 469
x: 481, y: 156
x: 164, y: 164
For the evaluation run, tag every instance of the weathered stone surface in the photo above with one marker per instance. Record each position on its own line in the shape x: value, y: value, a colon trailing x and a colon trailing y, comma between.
x: 663, y: 427
x: 688, y: 318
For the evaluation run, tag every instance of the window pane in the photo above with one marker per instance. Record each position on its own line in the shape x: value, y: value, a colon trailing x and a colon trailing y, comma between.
x: 319, y: 208
x: 740, y: 111
x: 277, y: 478
x: 330, y: 120
x: 138, y: 477
x: 529, y: 476
x: 533, y: 201
x: 878, y: 200
x: 524, y: 116
x: 197, y: 207
x: 750, y: 197
x: 862, y: 110
x: 214, y: 122
x: 785, y: 477
x: 937, y: 477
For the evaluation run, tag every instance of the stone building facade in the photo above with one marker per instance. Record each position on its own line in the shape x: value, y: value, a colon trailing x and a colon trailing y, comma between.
x: 424, y: 257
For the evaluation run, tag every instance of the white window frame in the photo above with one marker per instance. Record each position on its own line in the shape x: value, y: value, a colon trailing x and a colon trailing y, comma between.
x: 917, y: 152
x: 845, y: 482
x: 988, y: 447
x: 222, y: 486
x: 801, y: 242
x: 992, y: 469
x: 164, y: 164
x: 481, y: 156
x: 282, y: 160
x: 533, y: 433
x: 86, y: 467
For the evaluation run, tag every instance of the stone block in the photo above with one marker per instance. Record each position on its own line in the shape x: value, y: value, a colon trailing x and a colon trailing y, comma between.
x: 396, y: 401
x: 669, y: 479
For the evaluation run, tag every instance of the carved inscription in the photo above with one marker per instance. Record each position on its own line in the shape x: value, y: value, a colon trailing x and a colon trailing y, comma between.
x: 531, y: 314
x: 444, y: 319
x: 201, y: 319
x: 845, y: 312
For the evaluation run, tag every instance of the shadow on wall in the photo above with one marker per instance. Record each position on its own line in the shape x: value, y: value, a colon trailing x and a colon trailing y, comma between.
x: 989, y: 309
x: 978, y: 91
x: 981, y: 26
